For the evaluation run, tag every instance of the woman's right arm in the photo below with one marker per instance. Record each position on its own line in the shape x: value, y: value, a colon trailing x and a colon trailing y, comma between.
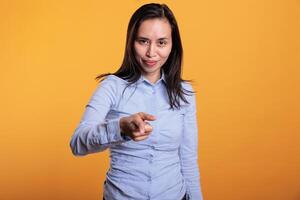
x: 94, y: 133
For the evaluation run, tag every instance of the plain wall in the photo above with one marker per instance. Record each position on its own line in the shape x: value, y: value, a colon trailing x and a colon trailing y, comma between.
x: 244, y: 57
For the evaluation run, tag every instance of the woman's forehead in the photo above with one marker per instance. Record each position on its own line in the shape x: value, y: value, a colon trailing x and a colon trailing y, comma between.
x: 155, y: 27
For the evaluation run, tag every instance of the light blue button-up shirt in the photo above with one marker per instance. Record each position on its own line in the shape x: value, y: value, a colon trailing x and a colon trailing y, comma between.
x: 162, y: 167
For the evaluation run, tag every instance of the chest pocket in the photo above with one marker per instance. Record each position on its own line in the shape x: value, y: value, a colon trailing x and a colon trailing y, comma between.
x: 171, y: 127
x: 130, y: 106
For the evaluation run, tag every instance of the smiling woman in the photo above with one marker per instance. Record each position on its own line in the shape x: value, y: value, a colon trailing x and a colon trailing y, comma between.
x: 145, y: 113
x: 152, y: 46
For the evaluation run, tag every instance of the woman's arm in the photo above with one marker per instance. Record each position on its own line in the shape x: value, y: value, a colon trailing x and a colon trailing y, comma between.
x: 189, y: 152
x: 94, y: 133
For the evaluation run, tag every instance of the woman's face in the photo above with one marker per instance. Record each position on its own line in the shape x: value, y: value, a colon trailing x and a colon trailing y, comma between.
x: 152, y: 46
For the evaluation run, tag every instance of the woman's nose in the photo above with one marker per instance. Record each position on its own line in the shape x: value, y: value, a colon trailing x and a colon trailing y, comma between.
x: 151, y: 50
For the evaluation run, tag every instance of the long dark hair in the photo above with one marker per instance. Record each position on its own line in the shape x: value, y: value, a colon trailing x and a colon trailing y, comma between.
x: 130, y: 70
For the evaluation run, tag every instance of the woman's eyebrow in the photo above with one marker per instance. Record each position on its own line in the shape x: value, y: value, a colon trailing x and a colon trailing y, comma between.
x: 163, y: 38
x: 143, y: 38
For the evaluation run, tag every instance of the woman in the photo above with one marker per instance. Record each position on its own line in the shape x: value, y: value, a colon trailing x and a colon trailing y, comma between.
x: 145, y: 113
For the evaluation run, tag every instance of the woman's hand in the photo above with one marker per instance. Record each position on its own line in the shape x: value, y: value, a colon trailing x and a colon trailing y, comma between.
x: 135, y: 126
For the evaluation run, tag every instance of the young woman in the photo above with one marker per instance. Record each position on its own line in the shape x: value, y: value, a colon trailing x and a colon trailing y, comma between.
x: 145, y: 113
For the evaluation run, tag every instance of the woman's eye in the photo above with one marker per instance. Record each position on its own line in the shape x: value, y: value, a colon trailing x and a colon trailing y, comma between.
x: 143, y: 42
x: 162, y: 43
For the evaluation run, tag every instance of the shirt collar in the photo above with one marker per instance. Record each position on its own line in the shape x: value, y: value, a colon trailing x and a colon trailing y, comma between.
x: 144, y: 79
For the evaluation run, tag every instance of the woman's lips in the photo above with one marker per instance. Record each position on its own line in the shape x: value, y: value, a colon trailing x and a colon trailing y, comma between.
x: 150, y: 62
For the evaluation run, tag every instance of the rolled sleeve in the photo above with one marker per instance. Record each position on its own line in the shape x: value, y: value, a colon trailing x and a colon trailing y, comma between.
x: 114, y: 133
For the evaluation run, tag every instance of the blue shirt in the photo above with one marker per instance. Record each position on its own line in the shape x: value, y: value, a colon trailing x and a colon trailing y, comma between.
x: 162, y: 167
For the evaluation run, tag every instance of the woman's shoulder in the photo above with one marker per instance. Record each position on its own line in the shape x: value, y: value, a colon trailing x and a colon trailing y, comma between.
x: 187, y: 87
x: 113, y: 78
x: 189, y: 92
x: 112, y: 81
x: 112, y: 84
x: 109, y: 88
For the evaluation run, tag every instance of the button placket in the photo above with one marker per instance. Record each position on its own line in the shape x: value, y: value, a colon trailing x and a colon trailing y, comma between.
x: 150, y: 159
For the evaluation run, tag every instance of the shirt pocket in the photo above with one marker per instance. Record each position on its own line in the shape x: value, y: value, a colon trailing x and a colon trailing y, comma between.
x: 171, y: 126
x: 129, y: 107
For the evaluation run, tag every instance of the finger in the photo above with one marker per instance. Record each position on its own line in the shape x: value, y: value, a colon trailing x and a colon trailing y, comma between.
x: 140, y: 124
x: 140, y: 138
x: 146, y: 116
x: 148, y: 128
x: 132, y: 126
x: 139, y: 134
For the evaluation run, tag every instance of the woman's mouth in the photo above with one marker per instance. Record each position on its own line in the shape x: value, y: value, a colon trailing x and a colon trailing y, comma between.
x: 150, y: 63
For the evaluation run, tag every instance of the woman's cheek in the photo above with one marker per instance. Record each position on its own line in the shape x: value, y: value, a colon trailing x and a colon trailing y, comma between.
x: 165, y: 53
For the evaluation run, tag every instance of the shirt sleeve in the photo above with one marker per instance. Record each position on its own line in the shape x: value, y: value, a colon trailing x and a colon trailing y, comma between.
x: 188, y: 151
x: 94, y: 133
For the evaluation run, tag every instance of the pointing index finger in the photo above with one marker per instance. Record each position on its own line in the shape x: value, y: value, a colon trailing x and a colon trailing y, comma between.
x: 146, y: 116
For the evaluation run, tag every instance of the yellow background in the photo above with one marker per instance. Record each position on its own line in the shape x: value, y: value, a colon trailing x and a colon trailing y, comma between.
x: 244, y: 57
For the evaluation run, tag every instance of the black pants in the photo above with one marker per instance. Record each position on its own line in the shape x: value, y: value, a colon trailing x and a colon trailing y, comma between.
x: 181, y: 199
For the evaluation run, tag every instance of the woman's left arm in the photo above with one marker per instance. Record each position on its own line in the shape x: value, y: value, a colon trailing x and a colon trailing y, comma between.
x: 188, y: 152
